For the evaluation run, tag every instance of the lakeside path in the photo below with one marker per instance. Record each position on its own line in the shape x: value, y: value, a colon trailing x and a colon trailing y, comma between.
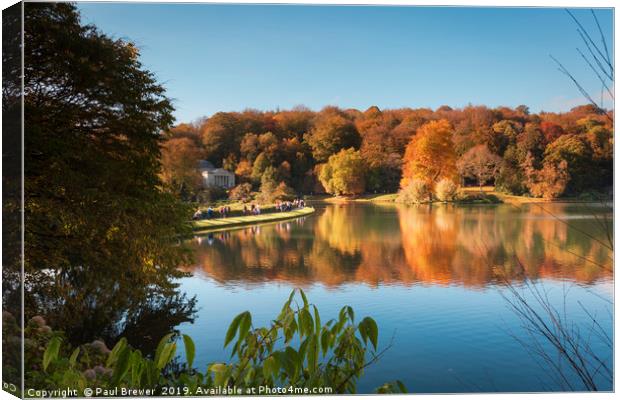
x: 219, y: 224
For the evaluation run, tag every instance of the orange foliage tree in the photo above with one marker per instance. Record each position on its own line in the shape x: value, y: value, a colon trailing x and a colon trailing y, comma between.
x: 179, y: 161
x: 430, y: 154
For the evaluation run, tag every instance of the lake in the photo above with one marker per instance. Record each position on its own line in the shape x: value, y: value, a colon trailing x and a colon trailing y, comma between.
x: 431, y: 276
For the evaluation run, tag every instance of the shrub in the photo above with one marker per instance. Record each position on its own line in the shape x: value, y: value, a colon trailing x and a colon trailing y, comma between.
x: 241, y: 192
x: 211, y: 194
x: 417, y: 191
x: 446, y: 190
x: 284, y: 192
x: 296, y: 350
x: 477, y: 198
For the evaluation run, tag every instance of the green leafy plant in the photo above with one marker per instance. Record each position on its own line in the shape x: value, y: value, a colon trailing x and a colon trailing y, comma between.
x: 296, y: 350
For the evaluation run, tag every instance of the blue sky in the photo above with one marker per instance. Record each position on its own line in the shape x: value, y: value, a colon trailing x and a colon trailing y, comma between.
x: 230, y: 57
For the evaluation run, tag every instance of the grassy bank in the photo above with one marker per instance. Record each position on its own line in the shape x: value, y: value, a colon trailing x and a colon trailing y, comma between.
x: 514, y: 199
x: 467, y: 195
x: 381, y: 197
x: 208, y: 225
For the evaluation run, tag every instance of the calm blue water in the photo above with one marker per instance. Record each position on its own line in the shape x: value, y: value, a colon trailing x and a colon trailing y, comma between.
x: 429, y: 278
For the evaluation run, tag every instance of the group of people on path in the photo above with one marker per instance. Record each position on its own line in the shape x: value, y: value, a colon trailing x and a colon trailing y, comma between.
x: 283, y: 206
x: 224, y: 211
x: 253, y: 209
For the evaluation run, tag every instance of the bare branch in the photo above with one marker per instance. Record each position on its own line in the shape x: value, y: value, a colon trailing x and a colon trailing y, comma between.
x: 598, y: 62
x: 590, y: 39
x: 600, y: 31
x: 585, y: 94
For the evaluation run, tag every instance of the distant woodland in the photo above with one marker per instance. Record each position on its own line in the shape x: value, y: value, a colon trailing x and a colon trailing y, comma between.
x: 348, y: 152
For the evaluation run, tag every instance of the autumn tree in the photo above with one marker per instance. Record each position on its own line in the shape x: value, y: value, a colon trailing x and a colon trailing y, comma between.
x: 284, y: 192
x: 293, y: 123
x: 505, y: 135
x: 550, y: 181
x: 531, y: 141
x: 244, y: 171
x: 407, y: 126
x: 241, y: 192
x: 430, y: 155
x: 509, y: 130
x: 249, y: 147
x: 344, y: 173
x: 179, y: 158
x: 332, y: 131
x: 380, y: 148
x: 229, y: 163
x: 221, y: 135
x: 473, y: 126
x: 269, y: 144
x: 551, y: 131
x: 295, y: 141
x: 480, y: 164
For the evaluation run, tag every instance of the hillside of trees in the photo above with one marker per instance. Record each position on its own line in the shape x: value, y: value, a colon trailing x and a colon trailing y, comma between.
x: 348, y: 152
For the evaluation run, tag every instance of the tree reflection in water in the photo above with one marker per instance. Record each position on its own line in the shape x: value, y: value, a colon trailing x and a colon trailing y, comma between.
x: 88, y: 306
x: 388, y: 244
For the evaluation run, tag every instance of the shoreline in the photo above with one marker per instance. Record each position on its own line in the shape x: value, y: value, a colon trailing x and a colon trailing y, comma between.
x: 222, y: 224
x: 503, y: 197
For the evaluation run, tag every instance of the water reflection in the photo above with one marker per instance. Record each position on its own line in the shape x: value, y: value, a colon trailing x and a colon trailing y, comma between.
x: 437, y: 245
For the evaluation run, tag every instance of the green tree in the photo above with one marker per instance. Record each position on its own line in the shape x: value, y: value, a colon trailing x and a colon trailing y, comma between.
x: 101, y: 247
x: 574, y: 151
x: 268, y: 186
x: 600, y: 142
x: 260, y: 165
x: 511, y: 178
x: 344, y: 173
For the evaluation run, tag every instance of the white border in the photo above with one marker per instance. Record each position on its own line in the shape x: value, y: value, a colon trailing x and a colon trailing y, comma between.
x: 479, y: 3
